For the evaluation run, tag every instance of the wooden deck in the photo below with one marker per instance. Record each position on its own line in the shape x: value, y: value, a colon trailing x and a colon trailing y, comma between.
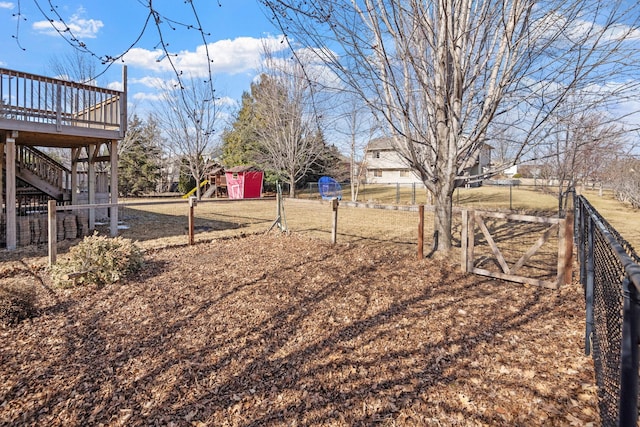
x: 57, y: 113
x: 38, y: 111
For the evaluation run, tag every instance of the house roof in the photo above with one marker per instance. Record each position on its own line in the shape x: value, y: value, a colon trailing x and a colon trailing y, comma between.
x: 383, y: 143
x: 386, y: 143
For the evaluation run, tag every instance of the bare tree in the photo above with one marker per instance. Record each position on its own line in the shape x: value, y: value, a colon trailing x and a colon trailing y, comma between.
x: 624, y: 177
x: 188, y: 116
x: 75, y: 66
x: 580, y: 149
x: 287, y: 123
x: 443, y: 74
x: 357, y: 123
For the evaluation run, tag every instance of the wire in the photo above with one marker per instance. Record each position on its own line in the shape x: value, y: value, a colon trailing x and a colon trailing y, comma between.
x: 65, y: 31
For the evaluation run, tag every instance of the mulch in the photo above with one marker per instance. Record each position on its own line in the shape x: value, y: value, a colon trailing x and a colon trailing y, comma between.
x: 276, y: 330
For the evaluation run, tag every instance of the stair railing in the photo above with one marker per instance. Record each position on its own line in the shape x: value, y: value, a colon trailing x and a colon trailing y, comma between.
x: 43, y: 167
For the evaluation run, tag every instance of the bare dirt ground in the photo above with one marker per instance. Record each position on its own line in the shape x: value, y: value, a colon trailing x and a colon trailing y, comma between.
x: 287, y: 330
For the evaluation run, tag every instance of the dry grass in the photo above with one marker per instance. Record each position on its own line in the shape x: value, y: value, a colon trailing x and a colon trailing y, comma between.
x: 518, y: 198
x: 160, y: 225
x: 621, y: 216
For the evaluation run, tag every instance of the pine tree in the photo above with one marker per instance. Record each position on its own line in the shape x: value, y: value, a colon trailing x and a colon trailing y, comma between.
x: 139, y: 163
x: 240, y: 142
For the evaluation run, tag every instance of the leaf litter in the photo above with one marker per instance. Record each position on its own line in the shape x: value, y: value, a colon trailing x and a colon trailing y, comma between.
x: 286, y: 330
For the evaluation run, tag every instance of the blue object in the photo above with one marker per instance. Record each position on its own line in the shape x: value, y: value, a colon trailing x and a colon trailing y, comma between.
x: 329, y: 188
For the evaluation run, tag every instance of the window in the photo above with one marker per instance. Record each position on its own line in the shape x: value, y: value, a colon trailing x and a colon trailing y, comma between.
x: 377, y: 173
x: 375, y: 154
x: 404, y: 173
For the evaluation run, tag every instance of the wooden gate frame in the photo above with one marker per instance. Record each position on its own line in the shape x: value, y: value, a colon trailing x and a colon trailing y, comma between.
x: 565, y: 247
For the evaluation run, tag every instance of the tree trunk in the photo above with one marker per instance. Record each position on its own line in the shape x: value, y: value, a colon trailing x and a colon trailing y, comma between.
x: 292, y: 186
x: 443, y: 219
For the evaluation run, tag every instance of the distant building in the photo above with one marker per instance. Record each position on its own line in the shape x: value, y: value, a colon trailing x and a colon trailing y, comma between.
x: 511, y: 171
x: 385, y: 165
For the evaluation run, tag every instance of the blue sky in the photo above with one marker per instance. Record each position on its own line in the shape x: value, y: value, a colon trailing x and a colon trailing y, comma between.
x: 236, y: 31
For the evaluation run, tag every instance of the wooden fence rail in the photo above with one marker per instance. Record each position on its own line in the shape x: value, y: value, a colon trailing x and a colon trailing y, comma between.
x: 473, y: 220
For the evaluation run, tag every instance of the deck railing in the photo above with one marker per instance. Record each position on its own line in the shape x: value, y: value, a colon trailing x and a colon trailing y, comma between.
x: 35, y: 99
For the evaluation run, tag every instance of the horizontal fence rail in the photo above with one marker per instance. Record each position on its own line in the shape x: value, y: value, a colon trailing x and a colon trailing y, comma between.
x: 147, y: 220
x: 610, y: 276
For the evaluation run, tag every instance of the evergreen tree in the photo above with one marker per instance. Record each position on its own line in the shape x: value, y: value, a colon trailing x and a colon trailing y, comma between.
x: 139, y: 162
x: 240, y: 142
x: 247, y: 143
x: 186, y: 182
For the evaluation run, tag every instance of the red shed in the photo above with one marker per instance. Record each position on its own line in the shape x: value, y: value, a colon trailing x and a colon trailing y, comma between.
x: 244, y: 182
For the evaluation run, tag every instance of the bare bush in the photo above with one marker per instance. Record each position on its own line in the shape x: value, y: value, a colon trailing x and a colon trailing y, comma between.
x: 97, y: 260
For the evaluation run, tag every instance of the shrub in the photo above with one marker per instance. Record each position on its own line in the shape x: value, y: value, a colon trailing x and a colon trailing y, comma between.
x: 17, y: 302
x: 97, y: 260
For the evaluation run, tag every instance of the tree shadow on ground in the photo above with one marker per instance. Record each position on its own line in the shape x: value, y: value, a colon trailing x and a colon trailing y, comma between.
x: 304, y: 338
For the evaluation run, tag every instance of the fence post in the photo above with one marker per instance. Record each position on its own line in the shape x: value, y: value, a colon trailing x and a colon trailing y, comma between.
x: 471, y: 239
x: 510, y: 196
x: 334, y: 228
x: 53, y: 232
x: 568, y: 261
x: 413, y: 193
x: 397, y: 193
x: 464, y: 239
x: 420, y: 231
x: 628, y: 410
x: 580, y: 241
x: 192, y: 204
x: 590, y: 282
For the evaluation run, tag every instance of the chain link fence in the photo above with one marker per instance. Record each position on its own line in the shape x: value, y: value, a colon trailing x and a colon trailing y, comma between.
x: 610, y: 276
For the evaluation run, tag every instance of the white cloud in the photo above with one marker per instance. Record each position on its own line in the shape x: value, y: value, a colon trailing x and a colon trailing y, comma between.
x: 115, y: 86
x: 154, y: 82
x: 235, y: 56
x: 143, y: 58
x: 225, y: 101
x: 76, y: 24
x: 6, y: 5
x: 145, y: 96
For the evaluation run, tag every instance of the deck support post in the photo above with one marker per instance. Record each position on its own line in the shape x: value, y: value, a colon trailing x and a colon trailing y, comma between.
x: 2, y: 139
x: 10, y: 202
x: 75, y: 154
x: 92, y: 151
x: 113, y: 210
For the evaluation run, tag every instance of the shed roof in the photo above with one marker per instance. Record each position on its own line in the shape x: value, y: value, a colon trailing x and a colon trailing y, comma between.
x: 243, y: 168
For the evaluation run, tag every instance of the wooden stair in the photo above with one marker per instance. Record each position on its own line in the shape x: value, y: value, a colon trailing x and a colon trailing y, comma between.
x: 43, y: 173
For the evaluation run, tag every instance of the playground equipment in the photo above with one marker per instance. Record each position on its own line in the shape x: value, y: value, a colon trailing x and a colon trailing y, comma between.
x: 194, y: 189
x: 329, y: 188
x: 244, y: 182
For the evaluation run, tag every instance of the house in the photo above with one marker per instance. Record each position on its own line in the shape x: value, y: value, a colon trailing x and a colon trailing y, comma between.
x: 86, y: 121
x: 385, y: 165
